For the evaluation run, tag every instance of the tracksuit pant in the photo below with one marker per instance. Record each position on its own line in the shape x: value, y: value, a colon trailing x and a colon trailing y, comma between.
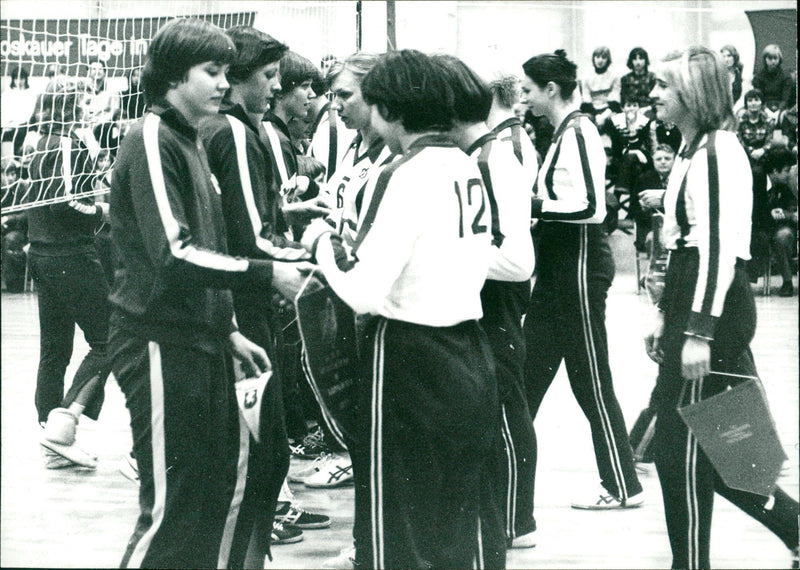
x: 431, y: 419
x: 504, y: 304
x: 192, y: 450
x: 688, y: 480
x: 566, y: 322
x: 71, y: 290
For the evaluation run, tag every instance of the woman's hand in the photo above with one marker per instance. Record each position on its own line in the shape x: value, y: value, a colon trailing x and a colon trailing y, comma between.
x: 252, y: 357
x: 652, y: 342
x: 695, y: 358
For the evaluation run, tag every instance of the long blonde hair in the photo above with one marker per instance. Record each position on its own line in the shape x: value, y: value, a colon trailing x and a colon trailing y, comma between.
x: 703, y: 87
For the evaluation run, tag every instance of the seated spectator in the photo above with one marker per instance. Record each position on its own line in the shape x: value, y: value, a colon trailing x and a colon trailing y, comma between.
x: 16, y: 108
x: 600, y: 90
x: 629, y: 148
x: 755, y: 130
x: 14, y: 229
x: 786, y: 129
x: 102, y: 108
x: 132, y: 100
x: 775, y: 216
x: 776, y: 85
x: 730, y: 57
x: 655, y: 177
x: 663, y: 132
x: 640, y: 81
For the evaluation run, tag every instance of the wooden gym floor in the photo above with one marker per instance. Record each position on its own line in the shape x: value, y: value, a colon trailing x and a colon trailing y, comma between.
x: 80, y: 519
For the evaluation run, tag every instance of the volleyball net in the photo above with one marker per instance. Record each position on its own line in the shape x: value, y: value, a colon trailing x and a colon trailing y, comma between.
x: 94, y: 51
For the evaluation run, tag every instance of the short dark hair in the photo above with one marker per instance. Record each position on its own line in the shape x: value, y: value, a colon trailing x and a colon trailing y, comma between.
x: 555, y: 67
x: 296, y: 69
x: 254, y: 49
x: 754, y: 94
x: 60, y: 102
x: 407, y: 85
x: 178, y: 46
x: 778, y: 158
x: 638, y: 52
x: 472, y: 98
x: 21, y: 72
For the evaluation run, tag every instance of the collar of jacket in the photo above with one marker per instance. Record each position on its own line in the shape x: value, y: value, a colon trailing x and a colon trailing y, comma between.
x: 174, y: 118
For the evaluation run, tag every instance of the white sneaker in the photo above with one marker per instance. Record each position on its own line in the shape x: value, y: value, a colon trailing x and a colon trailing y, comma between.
x: 335, y: 474
x: 315, y: 467
x: 72, y: 453
x: 345, y: 560
x: 525, y: 541
x: 602, y: 500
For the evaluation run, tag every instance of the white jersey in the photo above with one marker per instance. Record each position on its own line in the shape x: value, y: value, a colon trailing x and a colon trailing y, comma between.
x: 512, y: 132
x: 503, y: 175
x: 345, y: 191
x: 422, y: 254
x: 320, y: 147
x: 571, y: 186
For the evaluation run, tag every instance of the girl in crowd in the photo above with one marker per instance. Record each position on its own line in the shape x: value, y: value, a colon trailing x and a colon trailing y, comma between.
x: 730, y: 57
x: 774, y: 82
x: 706, y: 316
x: 600, y: 89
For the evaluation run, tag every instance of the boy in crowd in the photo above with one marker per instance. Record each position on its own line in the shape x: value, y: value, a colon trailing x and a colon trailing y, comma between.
x: 172, y: 329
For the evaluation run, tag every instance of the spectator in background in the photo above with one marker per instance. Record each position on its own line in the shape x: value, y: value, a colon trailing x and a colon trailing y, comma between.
x: 101, y: 110
x: 640, y: 81
x: 654, y: 177
x: 755, y: 129
x: 630, y: 150
x: 132, y: 100
x: 600, y: 90
x: 16, y: 108
x: 774, y: 82
x: 775, y: 216
x: 787, y: 125
x: 14, y: 229
x: 730, y: 57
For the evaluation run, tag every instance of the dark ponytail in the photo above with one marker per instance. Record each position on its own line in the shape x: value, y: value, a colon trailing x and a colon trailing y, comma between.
x: 544, y: 68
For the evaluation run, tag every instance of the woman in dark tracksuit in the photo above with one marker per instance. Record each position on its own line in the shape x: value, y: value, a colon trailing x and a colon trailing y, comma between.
x: 706, y: 316
x: 575, y: 268
x: 72, y: 288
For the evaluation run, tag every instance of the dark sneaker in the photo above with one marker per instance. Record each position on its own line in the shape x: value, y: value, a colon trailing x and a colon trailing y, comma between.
x: 293, y: 516
x: 605, y: 501
x: 786, y: 290
x: 312, y: 446
x: 285, y: 535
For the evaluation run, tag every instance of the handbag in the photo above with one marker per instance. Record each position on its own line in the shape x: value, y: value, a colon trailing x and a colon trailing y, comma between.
x: 737, y: 433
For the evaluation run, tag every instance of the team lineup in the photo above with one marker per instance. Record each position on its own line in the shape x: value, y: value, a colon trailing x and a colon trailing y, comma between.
x: 472, y: 266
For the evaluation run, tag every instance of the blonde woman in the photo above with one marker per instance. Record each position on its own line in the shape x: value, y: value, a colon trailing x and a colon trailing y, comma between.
x: 706, y: 316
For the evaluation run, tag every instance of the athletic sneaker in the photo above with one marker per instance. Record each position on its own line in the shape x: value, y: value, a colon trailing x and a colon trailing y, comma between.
x: 292, y: 515
x: 604, y: 501
x: 345, y: 560
x: 282, y: 535
x: 316, y: 466
x: 129, y: 467
x: 312, y: 446
x: 527, y: 540
x: 53, y: 460
x: 335, y: 474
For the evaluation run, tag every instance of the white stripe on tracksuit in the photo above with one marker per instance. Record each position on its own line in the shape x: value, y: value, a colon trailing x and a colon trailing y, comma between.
x: 178, y: 248
x: 158, y: 444
x: 511, y: 487
x: 376, y: 448
x: 66, y: 175
x: 591, y: 353
x: 238, y: 494
x: 277, y: 253
x: 692, y: 526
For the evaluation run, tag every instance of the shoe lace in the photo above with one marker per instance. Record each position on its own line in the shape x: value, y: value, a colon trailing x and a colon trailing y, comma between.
x: 315, y: 437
